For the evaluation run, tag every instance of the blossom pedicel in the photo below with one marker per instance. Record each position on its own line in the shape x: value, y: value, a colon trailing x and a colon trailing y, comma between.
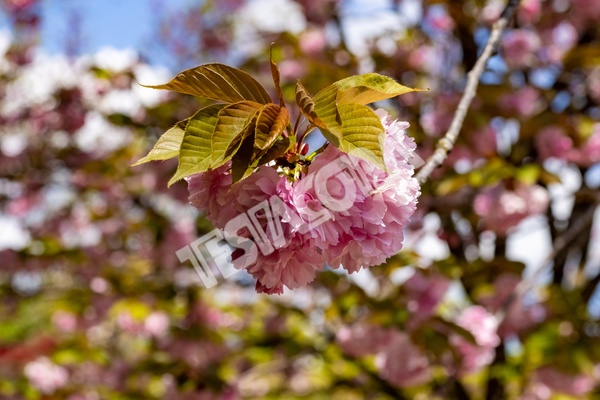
x: 289, y: 214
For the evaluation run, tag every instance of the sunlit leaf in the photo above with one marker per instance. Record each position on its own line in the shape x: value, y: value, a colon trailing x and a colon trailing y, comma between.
x: 167, y: 145
x: 326, y: 110
x: 233, y: 120
x: 353, y: 128
x: 362, y: 133
x: 196, y: 149
x: 217, y: 82
x: 368, y: 88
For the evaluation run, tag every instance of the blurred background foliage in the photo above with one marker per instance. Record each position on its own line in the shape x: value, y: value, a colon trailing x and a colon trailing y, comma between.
x: 95, y: 304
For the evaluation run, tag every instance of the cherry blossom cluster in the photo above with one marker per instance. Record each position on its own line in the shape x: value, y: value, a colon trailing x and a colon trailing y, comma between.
x: 501, y: 209
x: 342, y: 211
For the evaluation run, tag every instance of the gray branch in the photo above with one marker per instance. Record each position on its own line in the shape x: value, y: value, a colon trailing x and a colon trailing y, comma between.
x: 447, y: 142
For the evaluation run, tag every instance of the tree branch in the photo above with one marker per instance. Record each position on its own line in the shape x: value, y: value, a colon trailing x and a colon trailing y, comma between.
x: 560, y: 244
x: 447, y: 142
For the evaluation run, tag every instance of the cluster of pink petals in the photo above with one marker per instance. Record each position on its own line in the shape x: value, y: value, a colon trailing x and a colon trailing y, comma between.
x: 46, y: 376
x: 312, y: 42
x: 402, y: 363
x: 360, y: 340
x: 501, y: 209
x: 482, y: 143
x: 529, y: 11
x: 483, y: 326
x: 554, y: 380
x: 156, y: 324
x: 589, y: 9
x: 553, y: 142
x: 519, y: 47
x: 519, y: 317
x: 439, y: 20
x: 363, y: 235
x: 64, y: 321
x: 398, y: 360
x: 525, y: 101
x: 424, y: 293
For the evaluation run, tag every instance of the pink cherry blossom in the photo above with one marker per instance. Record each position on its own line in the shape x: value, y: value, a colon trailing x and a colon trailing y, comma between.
x: 362, y: 234
x: 529, y: 11
x: 589, y: 153
x: 127, y: 323
x: 500, y: 209
x: 291, y: 70
x: 371, y: 229
x: 590, y: 9
x: 553, y: 142
x: 436, y: 122
x: 558, y: 381
x: 519, y: 47
x: 156, y: 324
x: 424, y: 293
x: 439, y: 19
x: 209, y: 192
x: 481, y: 324
x: 362, y: 339
x: 401, y: 363
x: 312, y: 42
x: 46, y: 376
x: 524, y: 101
x: 483, y: 327
x: 64, y: 321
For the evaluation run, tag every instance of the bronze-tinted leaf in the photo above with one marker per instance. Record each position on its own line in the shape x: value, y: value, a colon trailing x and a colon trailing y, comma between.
x: 217, y: 82
x: 276, y: 77
x: 307, y: 105
x: 241, y: 161
x: 233, y: 120
x: 271, y: 123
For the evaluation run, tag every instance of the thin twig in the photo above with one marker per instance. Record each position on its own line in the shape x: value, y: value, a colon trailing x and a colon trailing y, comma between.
x: 447, y: 142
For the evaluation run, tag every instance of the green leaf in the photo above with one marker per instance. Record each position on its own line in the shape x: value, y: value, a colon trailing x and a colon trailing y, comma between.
x: 217, y: 82
x: 368, y: 88
x: 233, y: 121
x: 167, y: 145
x: 353, y: 128
x: 276, y: 77
x: 307, y: 105
x: 196, y: 149
x: 327, y: 111
x: 210, y: 137
x: 362, y: 133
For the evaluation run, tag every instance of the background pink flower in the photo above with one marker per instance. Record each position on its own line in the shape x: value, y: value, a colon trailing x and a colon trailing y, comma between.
x: 500, y: 209
x: 401, y: 363
x: 45, y: 375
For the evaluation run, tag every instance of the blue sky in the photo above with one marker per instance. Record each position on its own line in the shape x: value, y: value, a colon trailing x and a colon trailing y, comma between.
x: 117, y: 23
